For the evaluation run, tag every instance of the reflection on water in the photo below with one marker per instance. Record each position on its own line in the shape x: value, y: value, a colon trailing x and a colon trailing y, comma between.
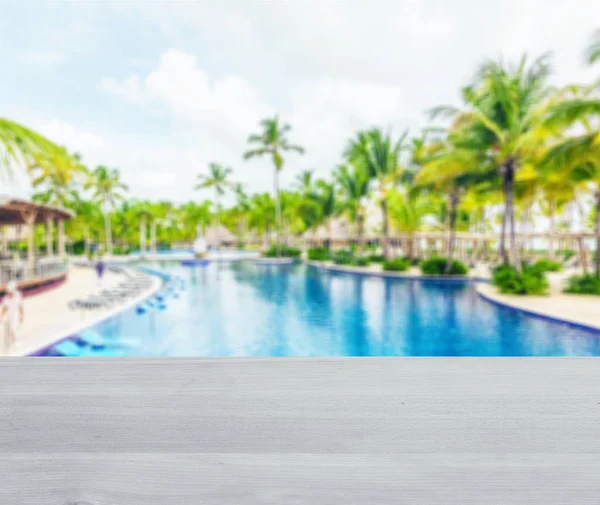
x: 243, y: 309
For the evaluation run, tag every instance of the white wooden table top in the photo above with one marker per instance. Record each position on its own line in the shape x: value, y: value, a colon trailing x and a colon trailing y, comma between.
x: 299, y: 431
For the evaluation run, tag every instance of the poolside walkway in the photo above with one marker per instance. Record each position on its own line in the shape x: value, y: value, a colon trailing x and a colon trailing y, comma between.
x: 48, y: 318
x: 577, y: 309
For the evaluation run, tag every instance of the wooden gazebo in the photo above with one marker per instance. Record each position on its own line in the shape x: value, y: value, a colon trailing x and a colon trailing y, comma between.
x: 18, y: 219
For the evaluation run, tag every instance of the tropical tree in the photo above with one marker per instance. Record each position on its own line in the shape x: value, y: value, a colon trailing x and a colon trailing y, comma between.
x: 379, y: 155
x: 408, y: 210
x: 86, y: 222
x: 291, y: 214
x: 578, y: 158
x: 353, y: 182
x: 261, y: 217
x: 304, y: 182
x: 193, y: 215
x: 453, y: 171
x: 240, y: 210
x: 503, y: 120
x: 23, y: 147
x: 217, y: 179
x: 107, y: 189
x: 59, y: 173
x: 593, y: 52
x: 325, y: 199
x: 273, y: 142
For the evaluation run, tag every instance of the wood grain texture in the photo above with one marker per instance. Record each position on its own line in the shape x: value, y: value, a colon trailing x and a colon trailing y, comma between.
x: 299, y: 431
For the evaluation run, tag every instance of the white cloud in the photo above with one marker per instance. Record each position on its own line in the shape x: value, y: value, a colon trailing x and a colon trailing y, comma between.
x: 178, y: 83
x: 68, y: 135
x: 218, y: 115
x: 328, y: 112
x: 327, y: 68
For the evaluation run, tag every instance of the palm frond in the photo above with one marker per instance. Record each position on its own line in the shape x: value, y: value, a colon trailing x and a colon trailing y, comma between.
x: 593, y: 52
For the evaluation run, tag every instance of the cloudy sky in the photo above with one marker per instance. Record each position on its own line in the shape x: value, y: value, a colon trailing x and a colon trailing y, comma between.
x: 161, y: 88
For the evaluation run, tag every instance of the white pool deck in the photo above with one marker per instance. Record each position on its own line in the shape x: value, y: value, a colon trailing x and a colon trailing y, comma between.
x: 48, y: 317
x: 279, y: 431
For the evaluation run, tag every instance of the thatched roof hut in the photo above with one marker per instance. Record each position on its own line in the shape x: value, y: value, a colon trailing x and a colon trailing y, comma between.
x: 219, y: 235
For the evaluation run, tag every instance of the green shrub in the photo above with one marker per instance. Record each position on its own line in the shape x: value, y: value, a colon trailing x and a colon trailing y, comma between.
x: 319, y: 254
x: 376, y: 258
x: 568, y: 254
x: 437, y: 266
x: 282, y: 251
x: 583, y: 285
x: 360, y: 262
x: 415, y: 262
x: 532, y: 281
x: 346, y: 257
x: 118, y: 250
x: 396, y: 265
x: 343, y: 257
x: 546, y: 265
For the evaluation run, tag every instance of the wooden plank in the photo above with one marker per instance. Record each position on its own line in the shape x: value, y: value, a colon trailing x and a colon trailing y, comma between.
x: 340, y: 430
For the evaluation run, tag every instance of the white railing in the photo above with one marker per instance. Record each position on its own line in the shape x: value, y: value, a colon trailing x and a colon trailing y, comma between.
x: 21, y: 271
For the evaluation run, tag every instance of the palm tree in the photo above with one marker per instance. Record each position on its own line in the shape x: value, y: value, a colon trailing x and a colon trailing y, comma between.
x: 24, y: 147
x: 194, y: 215
x: 142, y: 213
x: 408, y: 210
x: 503, y: 120
x: 218, y: 179
x: 593, y: 52
x: 86, y: 222
x: 379, y: 155
x: 578, y: 159
x: 272, y: 141
x: 304, y: 182
x: 241, y: 209
x: 354, y: 185
x: 262, y: 215
x: 107, y: 191
x: 452, y: 171
x: 325, y: 199
x: 58, y: 172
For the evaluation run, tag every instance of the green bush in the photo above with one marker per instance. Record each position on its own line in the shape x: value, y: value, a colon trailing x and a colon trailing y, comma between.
x: 343, y: 257
x: 583, y: 285
x: 531, y: 281
x: 119, y: 250
x: 282, y: 251
x: 437, y: 266
x: 396, y: 265
x: 568, y: 254
x: 376, y: 258
x: 360, y: 262
x: 78, y: 248
x: 319, y: 254
x: 546, y: 265
x: 415, y: 262
x: 346, y: 257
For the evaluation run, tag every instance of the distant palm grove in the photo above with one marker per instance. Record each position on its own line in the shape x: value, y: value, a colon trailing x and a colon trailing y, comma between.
x: 516, y: 148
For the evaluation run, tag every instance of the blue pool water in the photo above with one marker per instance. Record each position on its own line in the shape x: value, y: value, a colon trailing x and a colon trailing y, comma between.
x: 243, y: 309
